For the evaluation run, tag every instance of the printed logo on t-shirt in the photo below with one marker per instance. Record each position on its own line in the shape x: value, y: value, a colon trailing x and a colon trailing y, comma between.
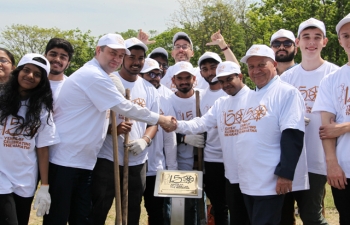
x: 309, y: 95
x: 139, y: 101
x: 343, y: 97
x: 10, y: 137
x: 185, y: 116
x: 231, y: 120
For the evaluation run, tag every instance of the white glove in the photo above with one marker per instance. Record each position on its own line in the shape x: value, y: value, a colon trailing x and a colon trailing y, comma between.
x: 137, y: 146
x: 307, y: 121
x: 195, y: 140
x: 117, y: 82
x: 42, y: 201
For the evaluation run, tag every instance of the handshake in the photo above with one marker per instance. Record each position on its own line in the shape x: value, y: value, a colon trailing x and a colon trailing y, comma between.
x: 168, y: 123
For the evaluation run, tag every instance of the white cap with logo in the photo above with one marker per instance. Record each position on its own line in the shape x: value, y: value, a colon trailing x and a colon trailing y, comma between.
x: 183, y: 67
x: 226, y: 68
x: 282, y: 33
x: 178, y: 34
x: 258, y: 50
x: 159, y: 50
x: 342, y: 22
x: 312, y: 22
x: 114, y: 41
x: 209, y: 55
x: 135, y: 42
x: 150, y: 64
x: 28, y: 58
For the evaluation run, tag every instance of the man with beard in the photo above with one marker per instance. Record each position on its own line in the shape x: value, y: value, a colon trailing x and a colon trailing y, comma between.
x: 140, y: 136
x: 59, y: 53
x: 307, y: 77
x: 283, y: 44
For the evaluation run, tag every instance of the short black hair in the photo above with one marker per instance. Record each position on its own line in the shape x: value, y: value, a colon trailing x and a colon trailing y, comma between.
x: 137, y: 47
x: 208, y: 60
x: 157, y: 54
x: 10, y: 55
x: 60, y: 43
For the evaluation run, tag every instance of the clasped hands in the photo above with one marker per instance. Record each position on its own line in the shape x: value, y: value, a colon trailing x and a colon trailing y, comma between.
x: 168, y: 123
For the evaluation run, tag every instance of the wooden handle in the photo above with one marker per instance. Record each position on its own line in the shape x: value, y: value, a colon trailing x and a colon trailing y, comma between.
x: 118, y: 207
x: 126, y: 170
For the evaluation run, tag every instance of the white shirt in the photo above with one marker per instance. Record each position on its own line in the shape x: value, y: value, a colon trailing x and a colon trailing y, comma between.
x: 222, y: 116
x: 82, y: 116
x: 265, y: 115
x: 164, y: 91
x: 56, y: 87
x: 334, y: 97
x: 145, y: 95
x: 308, y: 83
x: 18, y: 159
x: 199, y: 83
x: 212, y: 149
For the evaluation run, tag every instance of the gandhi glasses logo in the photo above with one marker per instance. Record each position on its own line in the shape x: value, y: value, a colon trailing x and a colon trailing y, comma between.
x: 309, y: 21
x: 120, y: 40
x: 184, y: 66
x: 135, y: 41
x: 254, y: 50
x: 221, y: 68
x: 151, y: 63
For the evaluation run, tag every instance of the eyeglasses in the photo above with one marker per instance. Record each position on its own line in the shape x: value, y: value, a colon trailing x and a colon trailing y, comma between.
x: 163, y: 65
x: 154, y: 75
x: 4, y: 61
x: 286, y: 44
x: 184, y: 47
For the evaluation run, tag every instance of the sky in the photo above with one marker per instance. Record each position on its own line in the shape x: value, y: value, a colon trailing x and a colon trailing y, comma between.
x: 99, y: 16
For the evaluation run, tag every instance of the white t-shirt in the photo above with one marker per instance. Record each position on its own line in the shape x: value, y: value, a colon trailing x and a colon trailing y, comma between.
x: 308, y: 83
x: 56, y: 88
x: 224, y: 114
x: 185, y: 109
x: 334, y: 97
x: 212, y: 149
x: 265, y: 115
x: 200, y: 83
x: 145, y: 95
x: 164, y: 91
x: 18, y: 159
x: 82, y: 116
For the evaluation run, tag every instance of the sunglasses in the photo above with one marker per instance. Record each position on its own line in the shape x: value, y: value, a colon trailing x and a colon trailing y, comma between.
x: 286, y: 43
x: 154, y: 75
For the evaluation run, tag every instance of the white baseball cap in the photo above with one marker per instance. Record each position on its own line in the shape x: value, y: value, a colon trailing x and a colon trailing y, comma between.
x: 183, y: 67
x: 178, y: 34
x: 135, y: 42
x: 115, y: 41
x: 312, y: 22
x: 158, y: 50
x: 282, y: 33
x: 226, y: 68
x: 150, y: 64
x: 28, y: 58
x: 342, y: 22
x: 258, y: 50
x: 209, y: 55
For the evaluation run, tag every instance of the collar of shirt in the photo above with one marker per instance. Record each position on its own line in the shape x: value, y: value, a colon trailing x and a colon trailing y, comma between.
x: 268, y: 84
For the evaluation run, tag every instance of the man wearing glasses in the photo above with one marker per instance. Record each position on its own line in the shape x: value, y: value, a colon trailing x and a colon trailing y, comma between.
x: 161, y: 56
x: 306, y: 77
x: 283, y: 44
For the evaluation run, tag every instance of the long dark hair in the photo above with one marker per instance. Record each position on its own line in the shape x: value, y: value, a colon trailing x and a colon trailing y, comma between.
x: 38, y: 98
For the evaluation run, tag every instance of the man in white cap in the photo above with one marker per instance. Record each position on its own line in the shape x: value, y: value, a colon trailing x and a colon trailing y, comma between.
x: 161, y: 56
x: 184, y: 104
x: 221, y: 118
x: 82, y: 113
x: 307, y: 77
x: 162, y: 142
x: 283, y: 44
x: 270, y: 139
x: 334, y: 104
x: 140, y: 137
x: 214, y: 175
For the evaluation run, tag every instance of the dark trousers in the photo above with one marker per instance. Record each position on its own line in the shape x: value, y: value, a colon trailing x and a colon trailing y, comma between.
x: 103, y: 190
x: 14, y: 209
x: 70, y: 196
x: 309, y: 203
x: 236, y: 205
x: 264, y: 210
x: 214, y: 187
x: 342, y: 203
x: 153, y: 205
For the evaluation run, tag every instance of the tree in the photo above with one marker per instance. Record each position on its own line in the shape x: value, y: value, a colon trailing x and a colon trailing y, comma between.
x: 22, y: 39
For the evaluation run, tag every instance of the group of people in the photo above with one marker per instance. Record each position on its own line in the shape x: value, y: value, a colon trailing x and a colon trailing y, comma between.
x: 264, y: 149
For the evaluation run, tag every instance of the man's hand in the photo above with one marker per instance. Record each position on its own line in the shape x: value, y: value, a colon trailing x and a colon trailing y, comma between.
x: 217, y: 39
x: 195, y: 140
x: 332, y: 130
x: 124, y: 127
x: 283, y: 186
x: 142, y: 36
x: 335, y: 175
x: 42, y: 201
x: 137, y: 146
x: 168, y: 123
